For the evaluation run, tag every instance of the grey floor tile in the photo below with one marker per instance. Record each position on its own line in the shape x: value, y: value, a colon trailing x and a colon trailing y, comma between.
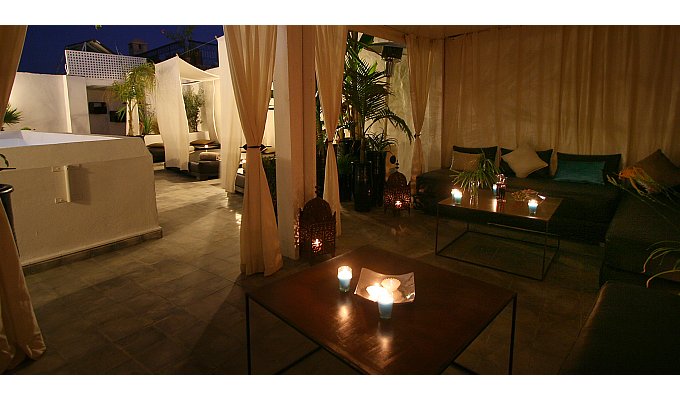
x: 176, y: 305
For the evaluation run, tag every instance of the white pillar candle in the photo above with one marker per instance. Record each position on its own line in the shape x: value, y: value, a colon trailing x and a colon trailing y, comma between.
x: 344, y: 277
x: 533, y: 205
x: 385, y: 302
x: 457, y: 195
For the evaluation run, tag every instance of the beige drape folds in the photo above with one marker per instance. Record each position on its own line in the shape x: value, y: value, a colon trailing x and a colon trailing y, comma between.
x: 11, y: 45
x: 20, y: 334
x: 251, y: 51
x: 576, y: 89
x: 419, y: 51
x: 329, y: 57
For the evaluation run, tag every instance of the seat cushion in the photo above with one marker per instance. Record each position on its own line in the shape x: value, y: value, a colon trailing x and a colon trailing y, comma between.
x: 631, y: 330
x: 580, y: 201
x: 636, y: 226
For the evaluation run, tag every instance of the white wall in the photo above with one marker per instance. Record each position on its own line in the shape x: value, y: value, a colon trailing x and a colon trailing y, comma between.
x: 76, y: 90
x: 111, y: 187
x: 41, y: 99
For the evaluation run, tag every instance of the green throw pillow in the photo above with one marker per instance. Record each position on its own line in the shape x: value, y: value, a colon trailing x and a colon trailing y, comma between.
x: 580, y: 171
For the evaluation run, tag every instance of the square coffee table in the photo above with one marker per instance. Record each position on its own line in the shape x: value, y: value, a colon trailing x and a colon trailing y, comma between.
x: 511, y: 215
x: 422, y: 337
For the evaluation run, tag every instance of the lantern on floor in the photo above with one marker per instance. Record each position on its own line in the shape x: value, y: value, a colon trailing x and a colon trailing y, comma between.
x: 397, y: 195
x: 316, y: 229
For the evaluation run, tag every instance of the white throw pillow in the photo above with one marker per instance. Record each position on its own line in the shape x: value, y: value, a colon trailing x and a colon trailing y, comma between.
x: 464, y: 161
x: 524, y: 161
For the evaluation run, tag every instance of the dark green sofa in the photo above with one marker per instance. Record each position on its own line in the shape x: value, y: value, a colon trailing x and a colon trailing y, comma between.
x: 584, y: 214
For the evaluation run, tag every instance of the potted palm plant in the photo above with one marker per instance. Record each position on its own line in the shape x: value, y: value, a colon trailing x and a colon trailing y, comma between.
x: 133, y: 91
x: 12, y: 116
x: 365, y: 92
x: 192, y: 105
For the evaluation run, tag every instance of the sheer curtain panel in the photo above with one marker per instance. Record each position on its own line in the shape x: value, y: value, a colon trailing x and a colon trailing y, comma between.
x: 251, y: 51
x: 419, y: 51
x: 329, y: 57
x: 20, y: 334
x: 575, y: 89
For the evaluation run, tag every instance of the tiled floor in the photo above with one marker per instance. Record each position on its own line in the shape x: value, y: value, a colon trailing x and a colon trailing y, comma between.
x: 176, y: 305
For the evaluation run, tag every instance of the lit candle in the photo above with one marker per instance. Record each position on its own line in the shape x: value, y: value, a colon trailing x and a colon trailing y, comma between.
x: 397, y: 204
x: 494, y: 189
x: 344, y: 276
x: 457, y: 195
x: 533, y: 205
x: 385, y: 302
x: 316, y: 246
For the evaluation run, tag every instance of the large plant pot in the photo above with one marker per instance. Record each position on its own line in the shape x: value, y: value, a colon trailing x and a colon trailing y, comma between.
x: 363, y: 183
x: 6, y: 199
x: 377, y: 159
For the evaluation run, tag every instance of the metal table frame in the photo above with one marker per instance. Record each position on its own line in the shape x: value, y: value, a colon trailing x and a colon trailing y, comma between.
x: 546, y: 261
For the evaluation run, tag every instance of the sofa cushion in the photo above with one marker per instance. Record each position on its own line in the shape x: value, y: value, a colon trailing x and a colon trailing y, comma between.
x: 544, y: 155
x: 209, y: 156
x: 635, y: 228
x: 464, y: 161
x: 580, y: 171
x: 489, y: 152
x: 612, y: 162
x: 524, y: 161
x: 201, y: 142
x: 631, y: 330
x: 661, y: 169
x: 580, y: 201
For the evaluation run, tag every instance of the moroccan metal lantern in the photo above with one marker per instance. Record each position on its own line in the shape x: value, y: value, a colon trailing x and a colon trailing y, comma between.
x: 397, y: 194
x: 316, y: 229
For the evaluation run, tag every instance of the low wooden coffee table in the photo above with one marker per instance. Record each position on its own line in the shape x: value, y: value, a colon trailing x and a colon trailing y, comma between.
x: 422, y: 337
x: 512, y: 215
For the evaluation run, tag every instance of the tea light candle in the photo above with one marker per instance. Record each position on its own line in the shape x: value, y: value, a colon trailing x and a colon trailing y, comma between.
x: 397, y: 204
x: 533, y: 205
x: 316, y: 245
x: 385, y: 302
x: 344, y: 277
x: 457, y: 195
x: 494, y: 187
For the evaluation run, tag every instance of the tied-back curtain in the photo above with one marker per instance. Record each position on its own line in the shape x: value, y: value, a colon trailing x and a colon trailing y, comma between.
x: 576, y: 89
x: 419, y: 52
x: 11, y: 45
x: 329, y: 57
x: 251, y: 51
x: 20, y: 334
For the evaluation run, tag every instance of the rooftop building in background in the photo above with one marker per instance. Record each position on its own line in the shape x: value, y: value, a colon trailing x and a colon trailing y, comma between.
x: 201, y: 55
x: 92, y: 45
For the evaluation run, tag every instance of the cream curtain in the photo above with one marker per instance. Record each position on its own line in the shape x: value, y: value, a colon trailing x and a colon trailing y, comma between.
x: 576, y: 89
x: 231, y: 133
x: 251, y: 51
x: 419, y: 51
x: 11, y: 45
x: 20, y: 334
x: 329, y: 57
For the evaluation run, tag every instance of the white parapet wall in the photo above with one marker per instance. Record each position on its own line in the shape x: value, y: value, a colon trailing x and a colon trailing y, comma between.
x: 73, y: 193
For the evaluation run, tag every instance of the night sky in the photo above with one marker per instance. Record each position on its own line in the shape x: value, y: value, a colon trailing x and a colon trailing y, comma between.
x: 44, y: 46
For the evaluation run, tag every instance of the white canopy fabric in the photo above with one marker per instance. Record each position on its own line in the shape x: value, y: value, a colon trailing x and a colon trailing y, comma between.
x: 419, y: 65
x: 172, y: 119
x: 329, y: 56
x: 251, y: 51
x: 231, y: 133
